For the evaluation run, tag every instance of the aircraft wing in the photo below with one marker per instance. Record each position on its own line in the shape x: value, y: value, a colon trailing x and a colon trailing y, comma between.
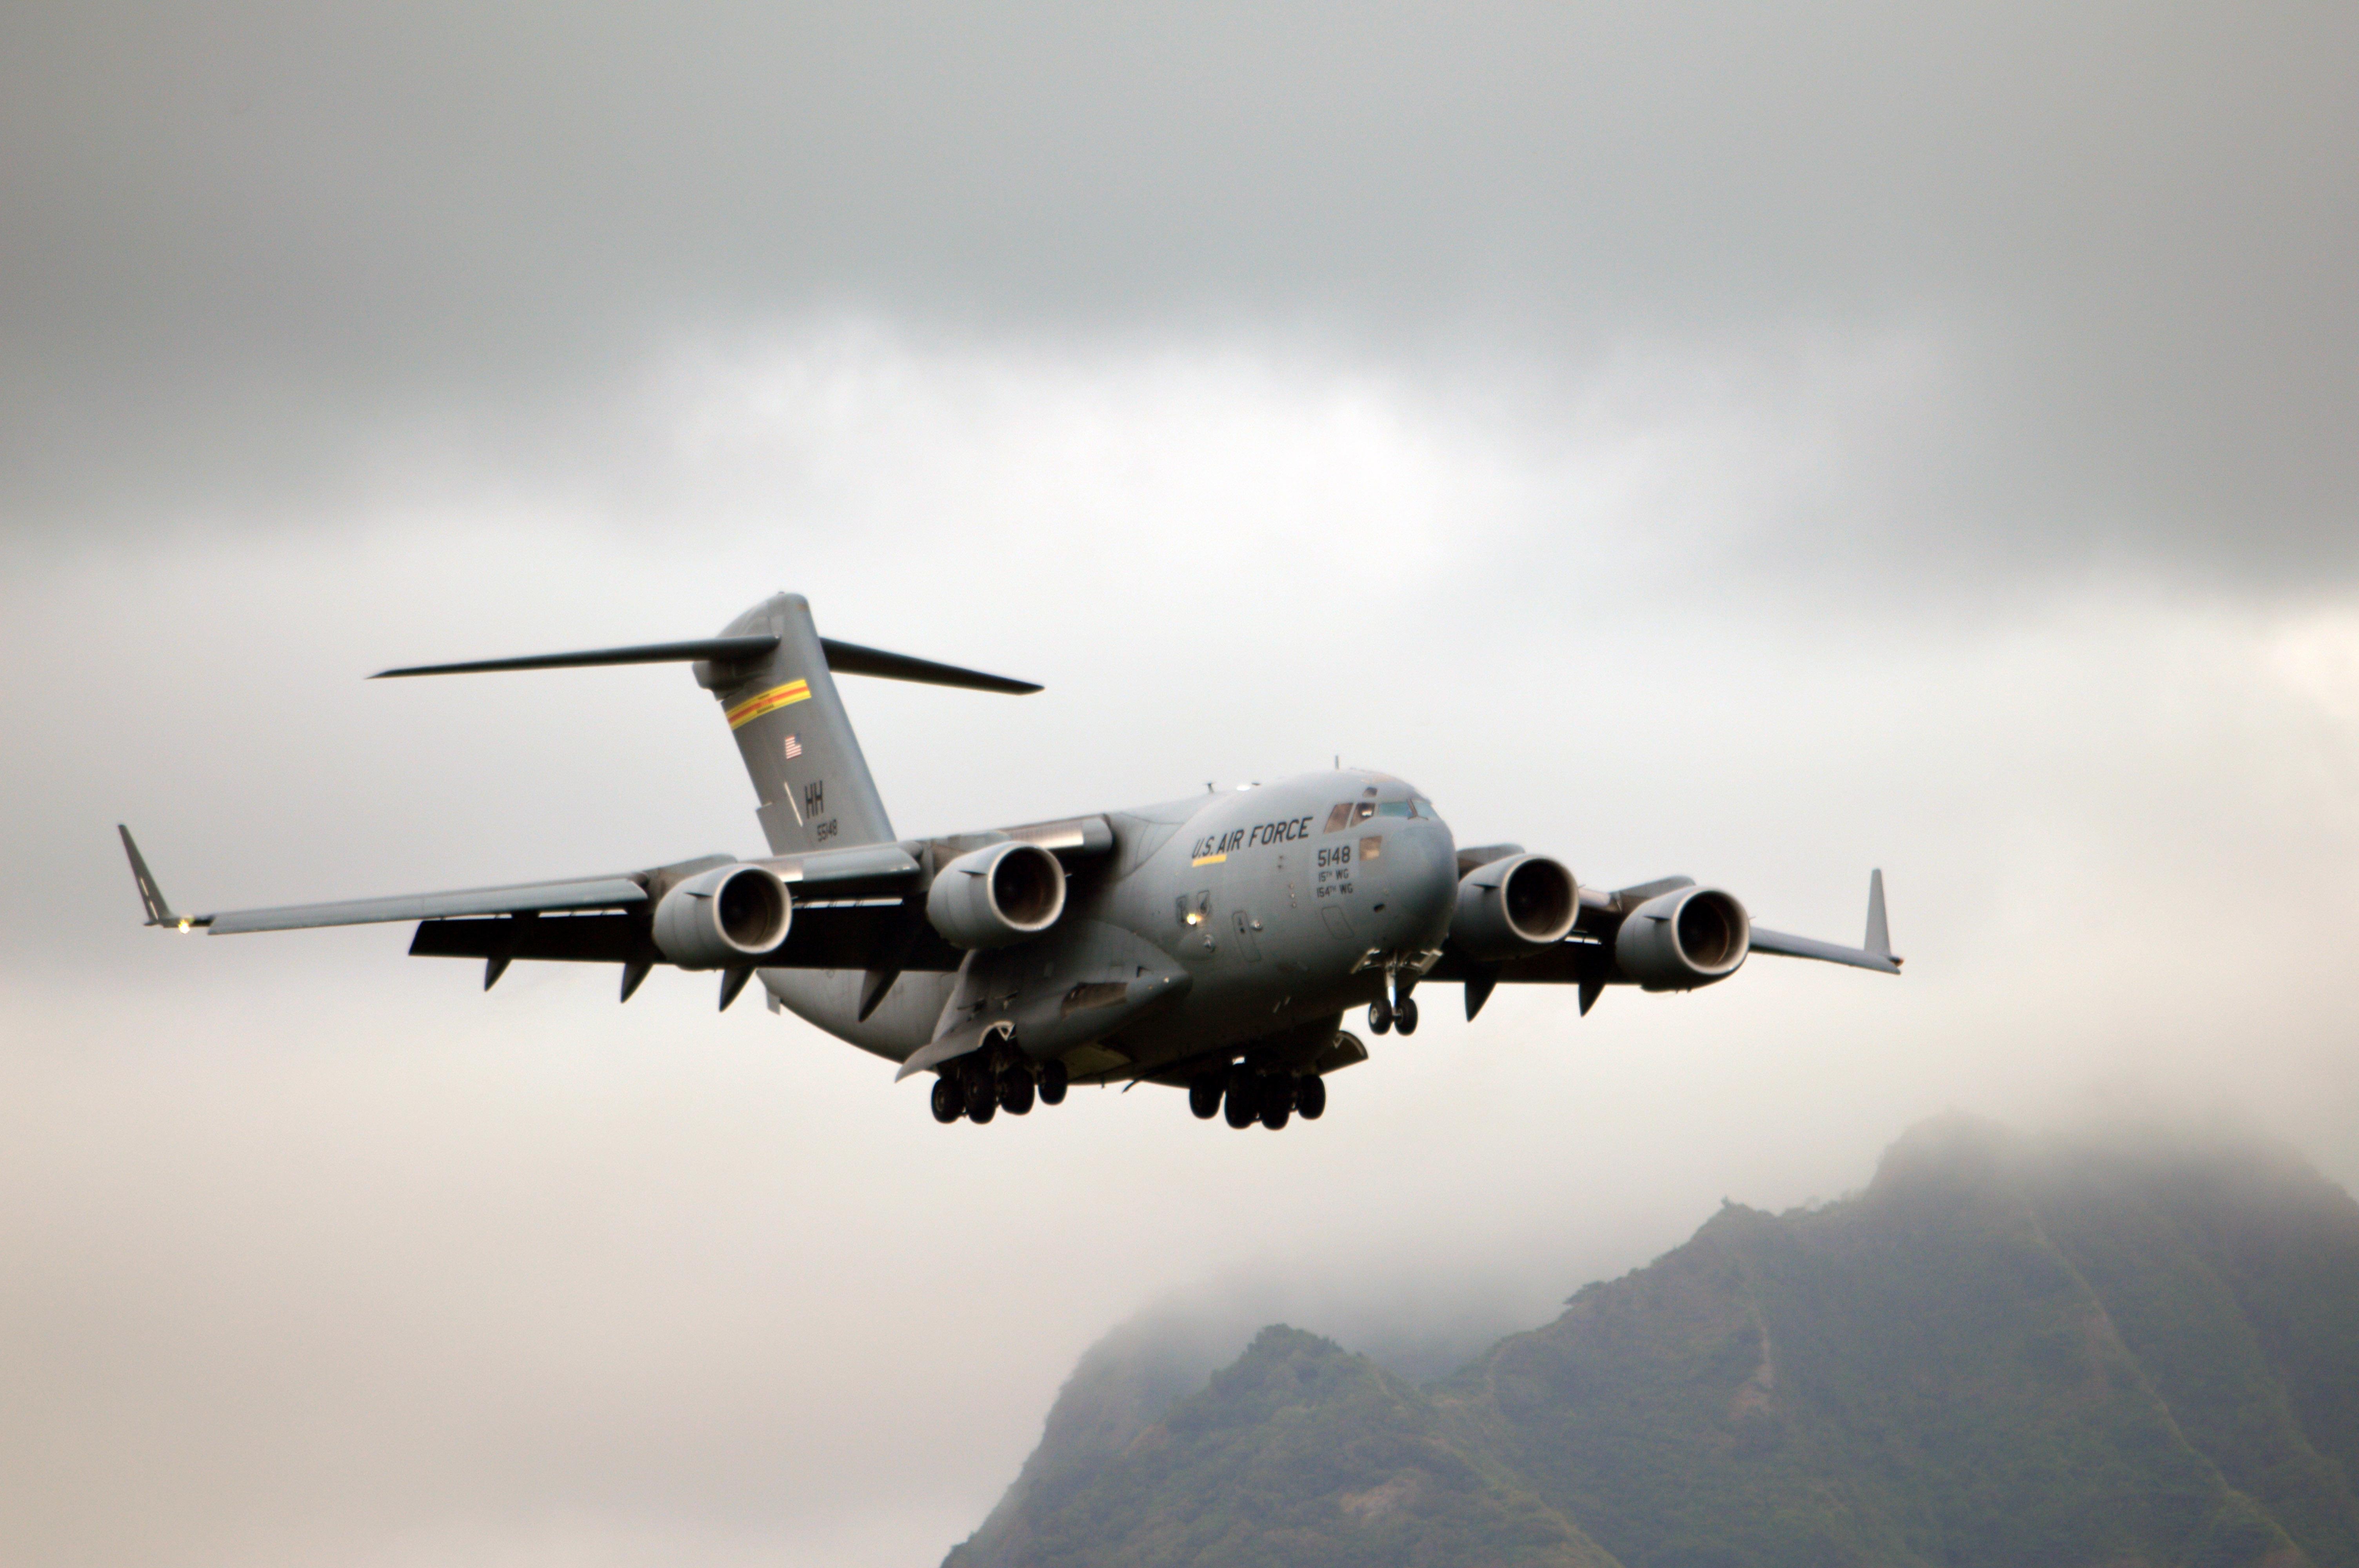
x: 1785, y: 946
x: 1585, y: 959
x: 1874, y: 953
x: 525, y: 898
x: 850, y: 905
x: 517, y: 898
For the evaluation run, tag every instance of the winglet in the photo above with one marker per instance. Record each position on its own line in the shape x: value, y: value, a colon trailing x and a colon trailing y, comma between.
x: 151, y: 897
x: 1879, y: 935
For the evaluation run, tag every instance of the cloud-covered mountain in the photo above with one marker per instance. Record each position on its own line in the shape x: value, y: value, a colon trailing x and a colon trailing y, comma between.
x: 2100, y: 1349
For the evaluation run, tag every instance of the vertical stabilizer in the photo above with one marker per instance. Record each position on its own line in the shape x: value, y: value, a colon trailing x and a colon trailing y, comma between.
x: 792, y: 730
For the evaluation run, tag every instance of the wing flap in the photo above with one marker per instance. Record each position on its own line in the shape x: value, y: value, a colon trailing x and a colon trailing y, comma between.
x: 859, y: 862
x: 1574, y: 962
x: 578, y: 938
x: 847, y: 935
x: 1068, y: 835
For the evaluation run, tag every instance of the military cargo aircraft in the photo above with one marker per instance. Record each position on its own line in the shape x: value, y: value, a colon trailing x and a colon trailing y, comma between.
x: 1213, y: 943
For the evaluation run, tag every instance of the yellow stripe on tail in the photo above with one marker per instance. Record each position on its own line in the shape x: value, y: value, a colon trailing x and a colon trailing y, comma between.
x: 777, y: 697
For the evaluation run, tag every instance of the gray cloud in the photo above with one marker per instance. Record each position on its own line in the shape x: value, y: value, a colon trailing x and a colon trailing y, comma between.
x: 243, y: 239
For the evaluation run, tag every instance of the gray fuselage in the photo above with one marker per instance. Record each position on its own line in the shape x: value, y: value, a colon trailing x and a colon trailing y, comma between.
x: 1216, y: 925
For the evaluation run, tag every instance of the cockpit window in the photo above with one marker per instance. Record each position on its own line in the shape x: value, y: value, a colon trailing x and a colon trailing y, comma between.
x: 1396, y: 808
x: 1420, y: 806
x: 1367, y: 809
x: 1341, y: 816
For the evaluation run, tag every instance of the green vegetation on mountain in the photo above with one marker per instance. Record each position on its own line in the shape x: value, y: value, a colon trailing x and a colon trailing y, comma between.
x: 2108, y: 1351
x: 1299, y: 1453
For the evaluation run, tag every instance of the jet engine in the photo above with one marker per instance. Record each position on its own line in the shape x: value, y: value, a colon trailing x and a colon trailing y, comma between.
x: 1688, y: 937
x: 722, y: 918
x: 1512, y: 906
x: 998, y: 895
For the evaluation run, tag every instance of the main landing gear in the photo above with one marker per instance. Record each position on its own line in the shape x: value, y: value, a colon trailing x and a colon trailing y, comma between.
x: 982, y: 1091
x: 1243, y: 1095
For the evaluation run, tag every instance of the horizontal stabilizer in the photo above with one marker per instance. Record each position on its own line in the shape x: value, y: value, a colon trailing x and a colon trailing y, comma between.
x: 851, y: 659
x: 718, y: 648
x: 842, y: 658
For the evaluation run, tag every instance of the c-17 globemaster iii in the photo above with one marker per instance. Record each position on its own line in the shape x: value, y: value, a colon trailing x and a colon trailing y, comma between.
x: 1213, y: 943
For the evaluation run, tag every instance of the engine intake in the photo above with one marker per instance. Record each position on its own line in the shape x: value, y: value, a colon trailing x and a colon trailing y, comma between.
x: 997, y: 896
x: 722, y: 918
x: 1512, y: 906
x: 1682, y: 939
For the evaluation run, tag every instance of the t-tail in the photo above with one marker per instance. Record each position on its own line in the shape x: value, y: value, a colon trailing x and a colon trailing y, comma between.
x: 774, y: 676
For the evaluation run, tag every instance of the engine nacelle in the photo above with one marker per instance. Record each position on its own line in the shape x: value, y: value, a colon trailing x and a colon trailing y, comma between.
x: 997, y: 896
x: 722, y: 918
x: 1679, y: 940
x: 1513, y: 906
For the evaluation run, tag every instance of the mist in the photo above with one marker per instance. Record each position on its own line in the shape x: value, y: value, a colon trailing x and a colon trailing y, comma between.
x: 1756, y: 453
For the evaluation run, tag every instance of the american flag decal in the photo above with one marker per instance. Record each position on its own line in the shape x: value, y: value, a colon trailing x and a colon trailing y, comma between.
x: 794, y: 747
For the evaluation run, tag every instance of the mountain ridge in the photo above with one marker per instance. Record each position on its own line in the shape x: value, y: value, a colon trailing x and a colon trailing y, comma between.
x: 2105, y: 1348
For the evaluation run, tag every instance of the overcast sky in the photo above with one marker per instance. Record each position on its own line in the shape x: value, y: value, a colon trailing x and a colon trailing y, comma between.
x: 1758, y: 444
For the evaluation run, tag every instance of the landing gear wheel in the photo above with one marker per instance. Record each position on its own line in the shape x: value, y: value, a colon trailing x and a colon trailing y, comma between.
x: 1404, y: 1015
x: 1274, y: 1114
x: 1015, y: 1093
x: 1241, y: 1102
x: 1052, y: 1082
x: 949, y: 1103
x: 1380, y: 1017
x: 1310, y: 1098
x: 982, y: 1099
x: 1205, y: 1095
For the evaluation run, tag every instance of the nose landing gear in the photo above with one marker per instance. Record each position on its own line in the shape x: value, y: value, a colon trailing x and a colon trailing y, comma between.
x: 1396, y: 1009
